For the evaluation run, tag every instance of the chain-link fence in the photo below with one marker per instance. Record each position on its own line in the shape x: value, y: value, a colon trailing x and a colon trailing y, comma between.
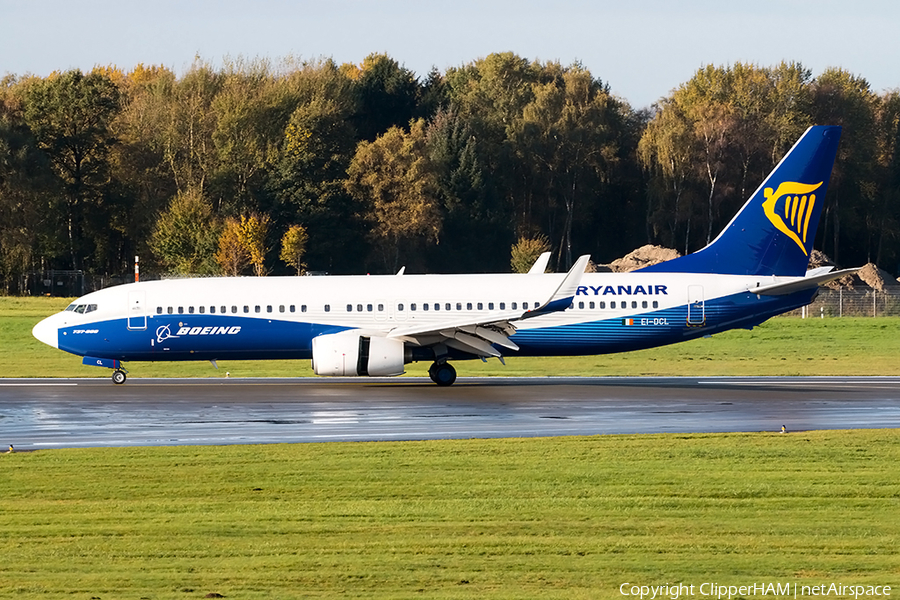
x: 852, y: 303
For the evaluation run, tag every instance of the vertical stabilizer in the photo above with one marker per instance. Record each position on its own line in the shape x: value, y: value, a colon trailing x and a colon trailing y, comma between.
x: 773, y: 232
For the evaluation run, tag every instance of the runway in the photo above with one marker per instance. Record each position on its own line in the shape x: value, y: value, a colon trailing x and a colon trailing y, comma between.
x: 59, y: 413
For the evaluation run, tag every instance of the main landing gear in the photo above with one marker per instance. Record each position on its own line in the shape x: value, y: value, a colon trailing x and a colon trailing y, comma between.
x: 118, y: 377
x: 442, y: 373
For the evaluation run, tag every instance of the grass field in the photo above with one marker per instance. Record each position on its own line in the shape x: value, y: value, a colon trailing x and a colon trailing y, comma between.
x: 782, y: 346
x: 537, y: 518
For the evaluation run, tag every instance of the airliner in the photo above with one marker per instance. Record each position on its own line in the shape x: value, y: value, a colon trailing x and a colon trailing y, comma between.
x: 374, y: 325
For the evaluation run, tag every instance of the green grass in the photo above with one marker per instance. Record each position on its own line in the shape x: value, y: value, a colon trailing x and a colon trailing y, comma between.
x: 782, y: 346
x: 537, y: 518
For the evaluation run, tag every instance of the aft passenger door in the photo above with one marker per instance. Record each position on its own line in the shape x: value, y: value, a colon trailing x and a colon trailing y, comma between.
x: 696, y: 307
x: 137, y: 316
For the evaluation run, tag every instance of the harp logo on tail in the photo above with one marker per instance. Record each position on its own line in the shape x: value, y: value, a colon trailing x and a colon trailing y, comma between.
x: 793, y: 215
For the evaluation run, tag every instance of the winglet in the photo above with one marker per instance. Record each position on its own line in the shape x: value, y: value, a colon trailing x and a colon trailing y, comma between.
x: 562, y: 297
x: 540, y: 265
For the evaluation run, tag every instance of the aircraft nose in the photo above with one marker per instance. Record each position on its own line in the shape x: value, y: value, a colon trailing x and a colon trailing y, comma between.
x: 47, y: 331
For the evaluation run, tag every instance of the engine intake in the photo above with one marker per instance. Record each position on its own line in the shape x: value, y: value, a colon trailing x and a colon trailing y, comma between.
x: 349, y: 354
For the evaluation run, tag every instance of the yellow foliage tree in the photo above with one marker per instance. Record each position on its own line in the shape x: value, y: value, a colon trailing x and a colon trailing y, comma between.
x: 526, y: 250
x: 293, y: 247
x: 232, y: 256
x: 253, y: 236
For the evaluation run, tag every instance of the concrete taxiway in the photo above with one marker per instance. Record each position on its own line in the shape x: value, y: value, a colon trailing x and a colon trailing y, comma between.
x: 54, y: 413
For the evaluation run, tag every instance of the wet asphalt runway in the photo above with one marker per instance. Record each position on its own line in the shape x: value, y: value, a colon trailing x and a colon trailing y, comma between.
x: 57, y: 413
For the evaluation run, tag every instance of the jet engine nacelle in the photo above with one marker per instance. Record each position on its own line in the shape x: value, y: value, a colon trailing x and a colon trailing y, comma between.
x: 349, y: 354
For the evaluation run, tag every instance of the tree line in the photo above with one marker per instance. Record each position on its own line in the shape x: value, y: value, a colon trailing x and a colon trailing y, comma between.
x: 254, y: 169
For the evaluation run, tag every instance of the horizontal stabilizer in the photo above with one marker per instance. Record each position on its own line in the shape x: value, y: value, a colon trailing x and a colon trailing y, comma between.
x: 815, y: 278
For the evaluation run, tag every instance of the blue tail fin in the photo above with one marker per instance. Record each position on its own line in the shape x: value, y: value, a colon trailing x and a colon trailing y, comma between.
x: 774, y: 231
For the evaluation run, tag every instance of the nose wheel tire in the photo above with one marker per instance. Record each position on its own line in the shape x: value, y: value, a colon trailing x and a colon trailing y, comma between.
x: 118, y: 377
x: 442, y: 374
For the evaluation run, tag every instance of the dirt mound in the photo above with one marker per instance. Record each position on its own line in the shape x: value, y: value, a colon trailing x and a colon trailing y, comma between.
x: 819, y: 259
x: 877, y: 279
x: 642, y: 257
x: 870, y: 276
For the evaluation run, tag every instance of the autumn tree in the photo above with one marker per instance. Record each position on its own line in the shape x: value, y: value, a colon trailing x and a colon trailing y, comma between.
x: 293, y: 247
x: 232, y: 256
x: 394, y: 182
x: 526, y: 251
x: 253, y: 231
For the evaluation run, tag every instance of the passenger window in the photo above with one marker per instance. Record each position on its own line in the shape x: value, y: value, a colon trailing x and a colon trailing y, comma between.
x: 425, y: 306
x: 514, y: 306
x: 634, y: 304
x: 644, y: 304
x: 257, y: 309
x: 302, y: 308
x: 655, y: 304
x: 180, y: 310
x: 212, y: 310
x: 269, y: 308
x: 359, y: 307
x: 437, y: 306
x: 412, y: 306
x: 581, y: 305
x: 400, y: 307
x: 170, y: 310
x: 503, y: 306
x: 368, y: 308
x: 480, y: 306
x: 349, y: 308
x: 447, y: 306
x: 190, y: 310
x: 468, y: 306
x: 327, y: 308
x: 202, y: 309
x: 490, y: 306
x: 281, y: 308
x: 612, y: 304
x: 234, y: 309
x: 459, y: 306
x: 246, y: 308
x: 293, y: 308
x: 524, y: 306
x: 381, y: 308
x: 222, y: 310
x: 591, y: 305
x: 602, y: 304
x: 158, y: 310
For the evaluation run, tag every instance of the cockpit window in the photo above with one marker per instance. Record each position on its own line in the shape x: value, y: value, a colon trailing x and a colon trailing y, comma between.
x: 80, y: 308
x: 70, y: 308
x: 90, y: 308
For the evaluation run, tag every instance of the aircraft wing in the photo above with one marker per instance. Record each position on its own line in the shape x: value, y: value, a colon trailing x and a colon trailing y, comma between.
x: 478, y: 336
x: 813, y: 279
